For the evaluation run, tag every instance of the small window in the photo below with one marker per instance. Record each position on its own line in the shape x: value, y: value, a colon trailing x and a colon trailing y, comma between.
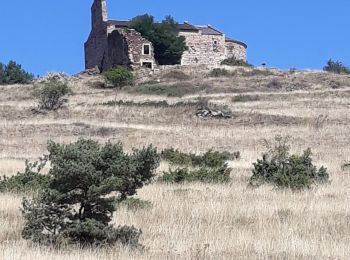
x: 216, y: 42
x: 147, y: 64
x: 146, y: 49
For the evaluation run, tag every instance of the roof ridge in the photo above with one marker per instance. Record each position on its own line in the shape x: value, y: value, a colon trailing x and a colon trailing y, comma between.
x: 211, y: 27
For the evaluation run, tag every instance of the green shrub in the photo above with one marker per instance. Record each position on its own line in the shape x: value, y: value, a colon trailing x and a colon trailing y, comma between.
x: 235, y: 62
x: 135, y: 204
x: 216, y: 73
x: 12, y: 73
x: 162, y: 103
x: 31, y: 180
x: 176, y: 75
x: 171, y: 90
x: 156, y: 104
x: 257, y: 72
x: 50, y: 95
x: 209, y: 159
x: 86, y: 181
x: 245, y: 98
x: 274, y: 84
x: 219, y: 174
x: 336, y: 67
x: 119, y: 77
x: 97, y: 84
x: 283, y: 170
x: 168, y: 45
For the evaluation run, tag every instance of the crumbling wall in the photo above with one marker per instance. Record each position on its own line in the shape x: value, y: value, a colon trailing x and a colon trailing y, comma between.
x: 117, y: 51
x: 236, y: 50
x: 135, y: 46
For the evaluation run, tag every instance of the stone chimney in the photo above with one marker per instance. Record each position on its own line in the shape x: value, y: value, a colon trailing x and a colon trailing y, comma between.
x: 98, y: 13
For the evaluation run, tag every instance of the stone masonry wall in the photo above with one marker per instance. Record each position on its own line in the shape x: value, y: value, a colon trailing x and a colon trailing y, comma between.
x: 118, y: 52
x: 96, y: 45
x: 236, y: 50
x: 125, y: 47
x: 135, y: 46
x: 203, y: 49
x: 95, y: 48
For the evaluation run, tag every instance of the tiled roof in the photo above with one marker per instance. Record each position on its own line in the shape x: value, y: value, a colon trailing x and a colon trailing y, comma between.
x: 124, y: 24
x: 187, y: 27
x: 208, y: 30
x: 235, y: 41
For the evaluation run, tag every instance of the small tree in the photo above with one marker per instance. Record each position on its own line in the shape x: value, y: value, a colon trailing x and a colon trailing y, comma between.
x: 336, y: 67
x: 86, y: 182
x: 168, y: 45
x: 12, y: 73
x: 2, y: 74
x: 119, y: 76
x: 50, y: 95
x: 283, y: 170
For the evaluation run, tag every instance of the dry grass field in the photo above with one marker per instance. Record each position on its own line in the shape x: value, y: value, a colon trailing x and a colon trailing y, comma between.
x: 201, y: 221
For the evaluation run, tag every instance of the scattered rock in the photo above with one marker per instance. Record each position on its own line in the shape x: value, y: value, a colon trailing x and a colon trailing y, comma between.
x: 91, y: 72
x: 60, y: 76
x: 211, y: 113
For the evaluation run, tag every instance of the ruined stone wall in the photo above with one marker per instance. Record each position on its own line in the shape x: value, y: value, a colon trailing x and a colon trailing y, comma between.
x: 236, y: 50
x: 117, y: 51
x: 203, y: 49
x: 125, y: 47
x: 135, y: 44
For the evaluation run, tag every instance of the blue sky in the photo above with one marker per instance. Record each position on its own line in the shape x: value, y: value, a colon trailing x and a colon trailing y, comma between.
x: 49, y: 35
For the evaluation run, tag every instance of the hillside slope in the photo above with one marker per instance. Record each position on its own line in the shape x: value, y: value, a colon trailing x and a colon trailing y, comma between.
x: 197, y: 221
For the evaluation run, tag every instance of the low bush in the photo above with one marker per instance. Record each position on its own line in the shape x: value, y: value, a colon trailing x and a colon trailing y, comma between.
x: 219, y: 174
x: 245, y: 98
x: 209, y: 159
x: 274, y: 84
x: 86, y: 182
x: 176, y: 75
x: 283, y: 170
x: 97, y: 84
x: 51, y: 95
x: 235, y: 62
x: 137, y: 104
x: 31, y: 180
x: 216, y: 73
x: 12, y: 73
x: 156, y: 104
x: 135, y: 204
x: 336, y: 67
x: 171, y: 90
x: 257, y: 72
x: 119, y: 77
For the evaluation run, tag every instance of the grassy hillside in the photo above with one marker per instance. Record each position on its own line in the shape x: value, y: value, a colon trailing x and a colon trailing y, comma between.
x: 199, y: 221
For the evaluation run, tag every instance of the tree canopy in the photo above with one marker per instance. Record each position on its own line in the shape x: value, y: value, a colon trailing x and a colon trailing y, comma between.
x: 86, y: 180
x: 12, y: 73
x: 168, y: 45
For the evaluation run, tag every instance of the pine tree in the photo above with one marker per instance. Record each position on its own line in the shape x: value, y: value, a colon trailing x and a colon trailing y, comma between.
x: 87, y: 180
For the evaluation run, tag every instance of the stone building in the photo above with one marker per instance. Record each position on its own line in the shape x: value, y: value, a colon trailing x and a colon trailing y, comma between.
x: 113, y: 43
